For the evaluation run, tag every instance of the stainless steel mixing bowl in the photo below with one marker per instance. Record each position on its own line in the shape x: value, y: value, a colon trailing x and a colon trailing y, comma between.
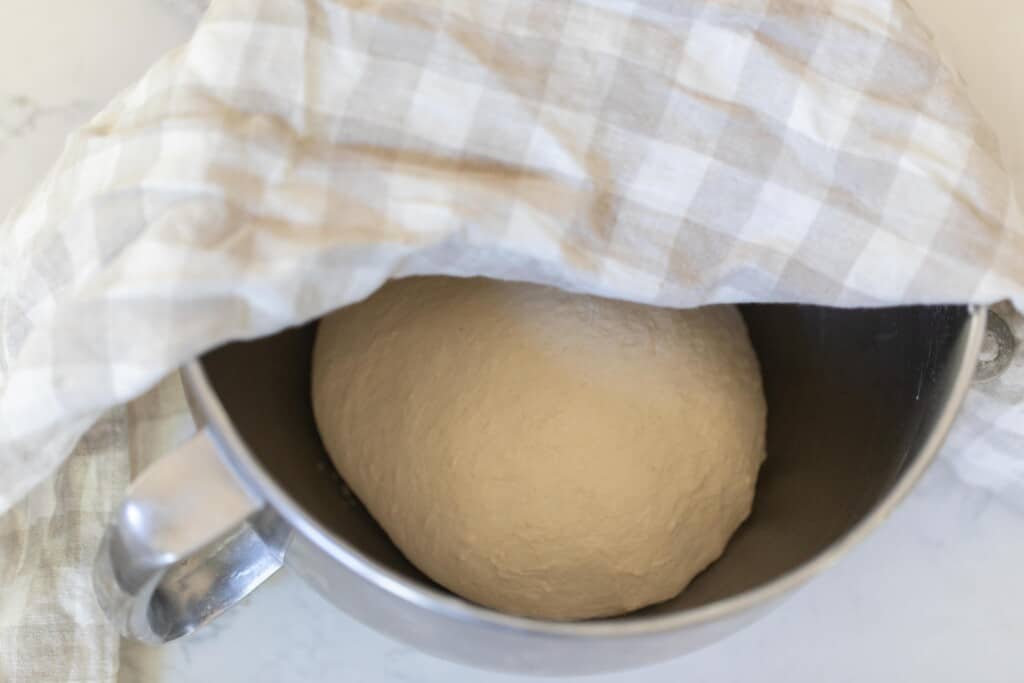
x: 859, y: 402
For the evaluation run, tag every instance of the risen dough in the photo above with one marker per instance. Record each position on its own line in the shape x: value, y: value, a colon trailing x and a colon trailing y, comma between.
x: 543, y: 453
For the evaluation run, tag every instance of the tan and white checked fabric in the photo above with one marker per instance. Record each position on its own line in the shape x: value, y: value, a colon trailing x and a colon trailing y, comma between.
x: 986, y: 445
x: 51, y: 629
x: 297, y: 153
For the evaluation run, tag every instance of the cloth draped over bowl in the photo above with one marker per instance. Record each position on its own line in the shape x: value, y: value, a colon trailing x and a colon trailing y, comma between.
x: 293, y: 156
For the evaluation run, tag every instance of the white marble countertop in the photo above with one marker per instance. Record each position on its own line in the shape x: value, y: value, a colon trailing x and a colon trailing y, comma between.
x: 936, y: 595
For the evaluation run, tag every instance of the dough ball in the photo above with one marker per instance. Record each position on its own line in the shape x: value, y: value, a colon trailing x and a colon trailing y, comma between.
x: 543, y: 453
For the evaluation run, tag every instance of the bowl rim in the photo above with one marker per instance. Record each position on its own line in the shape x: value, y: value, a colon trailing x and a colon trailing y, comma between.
x: 236, y: 455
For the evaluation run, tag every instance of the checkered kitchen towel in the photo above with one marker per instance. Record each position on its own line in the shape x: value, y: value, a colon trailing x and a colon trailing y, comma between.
x: 50, y: 627
x: 296, y: 154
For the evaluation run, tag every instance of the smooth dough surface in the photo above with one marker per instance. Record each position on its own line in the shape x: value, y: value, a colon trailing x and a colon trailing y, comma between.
x: 546, y: 454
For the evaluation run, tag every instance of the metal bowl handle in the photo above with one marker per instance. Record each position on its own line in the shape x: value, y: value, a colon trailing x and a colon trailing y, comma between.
x: 186, y: 543
x: 997, y: 350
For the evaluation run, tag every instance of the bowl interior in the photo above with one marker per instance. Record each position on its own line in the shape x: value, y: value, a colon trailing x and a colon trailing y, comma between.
x: 852, y: 395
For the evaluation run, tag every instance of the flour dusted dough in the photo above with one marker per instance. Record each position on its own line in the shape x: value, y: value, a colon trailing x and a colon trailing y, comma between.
x: 543, y: 453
